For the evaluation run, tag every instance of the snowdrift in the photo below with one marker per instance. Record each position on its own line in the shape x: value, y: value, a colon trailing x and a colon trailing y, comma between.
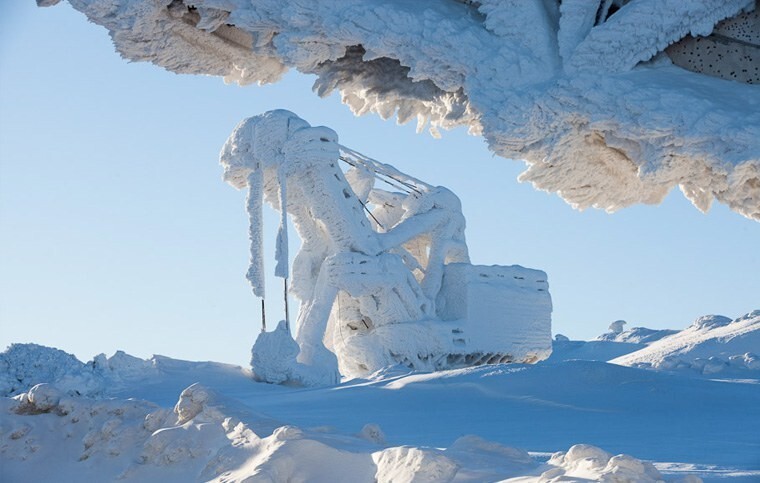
x: 604, y: 100
x: 48, y: 436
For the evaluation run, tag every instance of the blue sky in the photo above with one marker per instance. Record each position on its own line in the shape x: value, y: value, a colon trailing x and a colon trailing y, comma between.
x: 116, y: 231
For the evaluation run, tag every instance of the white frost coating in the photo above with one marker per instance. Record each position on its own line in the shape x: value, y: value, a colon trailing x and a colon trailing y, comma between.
x: 657, y: 23
x: 281, y: 253
x: 254, y: 207
x: 604, y: 129
x: 383, y: 276
x: 576, y: 20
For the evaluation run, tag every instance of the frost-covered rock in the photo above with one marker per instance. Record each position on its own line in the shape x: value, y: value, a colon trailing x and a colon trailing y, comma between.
x: 588, y: 96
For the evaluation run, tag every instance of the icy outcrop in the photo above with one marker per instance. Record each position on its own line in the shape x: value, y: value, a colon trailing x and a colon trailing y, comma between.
x: 587, y: 95
x: 383, y: 275
x: 712, y: 345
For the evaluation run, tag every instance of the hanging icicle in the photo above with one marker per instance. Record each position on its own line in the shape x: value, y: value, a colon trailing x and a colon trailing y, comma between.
x: 281, y: 251
x: 254, y: 206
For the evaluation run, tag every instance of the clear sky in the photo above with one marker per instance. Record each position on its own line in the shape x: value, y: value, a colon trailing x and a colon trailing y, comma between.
x: 116, y: 231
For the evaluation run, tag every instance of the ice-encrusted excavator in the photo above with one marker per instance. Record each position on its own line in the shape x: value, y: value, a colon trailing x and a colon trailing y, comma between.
x: 383, y: 273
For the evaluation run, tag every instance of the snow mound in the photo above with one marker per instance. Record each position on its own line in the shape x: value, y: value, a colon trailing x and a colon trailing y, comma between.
x: 24, y: 365
x: 589, y: 462
x: 712, y: 345
x: 636, y: 335
x: 46, y: 435
x: 588, y: 96
x: 594, y: 350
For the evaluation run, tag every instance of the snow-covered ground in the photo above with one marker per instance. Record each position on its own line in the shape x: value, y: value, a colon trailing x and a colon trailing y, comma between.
x: 171, y: 420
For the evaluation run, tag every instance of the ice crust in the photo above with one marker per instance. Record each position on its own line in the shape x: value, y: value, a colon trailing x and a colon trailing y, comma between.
x: 588, y: 99
x: 383, y: 275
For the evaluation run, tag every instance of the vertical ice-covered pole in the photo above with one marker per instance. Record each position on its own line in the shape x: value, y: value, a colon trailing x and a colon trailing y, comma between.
x: 281, y: 251
x: 254, y: 207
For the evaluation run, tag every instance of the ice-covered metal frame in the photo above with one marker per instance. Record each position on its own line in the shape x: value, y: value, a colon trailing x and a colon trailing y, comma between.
x: 383, y: 272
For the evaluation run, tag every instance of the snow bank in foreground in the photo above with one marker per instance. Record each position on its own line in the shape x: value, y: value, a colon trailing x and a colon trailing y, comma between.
x: 187, y: 421
x: 46, y: 434
x: 713, y: 344
x: 586, y: 95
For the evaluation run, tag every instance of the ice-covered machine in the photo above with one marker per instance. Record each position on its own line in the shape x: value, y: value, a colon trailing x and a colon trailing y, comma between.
x: 383, y: 273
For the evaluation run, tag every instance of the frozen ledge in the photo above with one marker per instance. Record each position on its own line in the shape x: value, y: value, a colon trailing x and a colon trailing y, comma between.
x: 586, y: 96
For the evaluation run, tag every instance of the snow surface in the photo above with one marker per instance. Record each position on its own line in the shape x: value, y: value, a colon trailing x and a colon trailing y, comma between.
x: 586, y: 96
x: 168, y: 420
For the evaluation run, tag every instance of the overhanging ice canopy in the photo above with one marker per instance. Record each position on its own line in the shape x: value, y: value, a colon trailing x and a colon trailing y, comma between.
x: 610, y: 102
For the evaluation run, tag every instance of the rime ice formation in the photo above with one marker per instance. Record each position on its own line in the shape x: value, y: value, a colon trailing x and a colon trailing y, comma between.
x: 383, y: 275
x: 610, y: 102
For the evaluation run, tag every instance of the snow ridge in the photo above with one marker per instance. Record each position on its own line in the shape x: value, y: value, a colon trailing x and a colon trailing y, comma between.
x: 711, y: 345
